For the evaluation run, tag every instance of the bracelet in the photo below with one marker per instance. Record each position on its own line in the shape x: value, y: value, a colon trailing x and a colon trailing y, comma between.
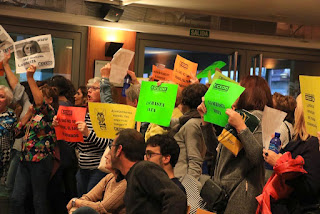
x: 73, y: 202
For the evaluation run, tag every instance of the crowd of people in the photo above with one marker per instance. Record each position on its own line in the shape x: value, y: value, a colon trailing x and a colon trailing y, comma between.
x: 153, y: 169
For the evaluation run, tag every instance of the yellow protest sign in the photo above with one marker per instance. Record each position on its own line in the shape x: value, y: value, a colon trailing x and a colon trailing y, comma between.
x: 310, y: 95
x: 108, y: 119
x: 219, y: 75
x: 183, y: 70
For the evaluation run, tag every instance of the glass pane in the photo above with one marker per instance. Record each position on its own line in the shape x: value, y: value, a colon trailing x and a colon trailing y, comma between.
x: 62, y: 49
x: 166, y: 58
x: 283, y: 74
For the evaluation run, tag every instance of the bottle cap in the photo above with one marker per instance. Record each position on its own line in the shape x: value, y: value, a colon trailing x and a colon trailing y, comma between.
x: 277, y: 134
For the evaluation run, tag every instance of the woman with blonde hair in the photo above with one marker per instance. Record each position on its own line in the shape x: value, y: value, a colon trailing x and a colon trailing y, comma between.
x: 303, y: 188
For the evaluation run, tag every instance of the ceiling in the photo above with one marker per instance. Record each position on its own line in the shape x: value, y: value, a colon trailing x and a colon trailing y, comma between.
x: 290, y: 11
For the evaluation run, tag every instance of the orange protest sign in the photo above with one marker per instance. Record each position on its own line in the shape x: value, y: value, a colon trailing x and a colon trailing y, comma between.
x: 161, y: 74
x: 67, y: 129
x: 183, y: 70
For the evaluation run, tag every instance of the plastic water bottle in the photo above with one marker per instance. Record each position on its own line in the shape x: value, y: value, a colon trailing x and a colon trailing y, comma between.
x: 275, y: 144
x: 126, y: 84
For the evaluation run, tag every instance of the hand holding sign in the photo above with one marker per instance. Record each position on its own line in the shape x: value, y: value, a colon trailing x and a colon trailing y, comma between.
x: 235, y: 120
x: 30, y: 71
x: 83, y: 128
x: 105, y: 71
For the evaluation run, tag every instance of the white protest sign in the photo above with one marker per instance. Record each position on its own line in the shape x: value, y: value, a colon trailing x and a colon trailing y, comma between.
x: 6, y: 43
x: 120, y: 64
x: 35, y: 51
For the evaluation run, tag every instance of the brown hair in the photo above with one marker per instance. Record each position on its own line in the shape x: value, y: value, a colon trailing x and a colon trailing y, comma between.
x: 286, y: 104
x: 256, y: 95
x: 51, y: 92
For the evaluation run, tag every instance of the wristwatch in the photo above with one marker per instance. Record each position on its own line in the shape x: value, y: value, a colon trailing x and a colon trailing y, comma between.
x: 73, y: 202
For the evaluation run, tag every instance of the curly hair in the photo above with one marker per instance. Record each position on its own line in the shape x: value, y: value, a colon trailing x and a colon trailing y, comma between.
x: 64, y: 86
x: 168, y: 147
x: 286, y: 104
x: 192, y: 95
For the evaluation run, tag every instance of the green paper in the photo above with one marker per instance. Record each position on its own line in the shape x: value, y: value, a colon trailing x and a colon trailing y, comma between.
x: 212, y: 68
x: 156, y: 103
x: 220, y: 76
x: 219, y: 97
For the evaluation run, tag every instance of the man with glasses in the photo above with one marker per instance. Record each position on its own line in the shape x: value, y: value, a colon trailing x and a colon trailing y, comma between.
x: 149, y: 189
x: 164, y: 151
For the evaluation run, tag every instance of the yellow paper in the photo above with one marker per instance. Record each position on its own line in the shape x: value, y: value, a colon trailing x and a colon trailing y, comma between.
x: 183, y: 70
x: 230, y: 142
x: 310, y: 92
x: 219, y: 75
x: 108, y: 119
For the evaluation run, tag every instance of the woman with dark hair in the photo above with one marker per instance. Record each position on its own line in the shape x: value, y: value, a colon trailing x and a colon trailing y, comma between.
x: 295, y: 184
x: 80, y: 98
x: 241, y: 176
x: 65, y: 88
x: 186, y: 131
x: 36, y: 164
x: 31, y: 48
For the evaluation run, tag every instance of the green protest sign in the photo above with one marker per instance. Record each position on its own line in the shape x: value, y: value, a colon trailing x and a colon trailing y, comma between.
x: 156, y: 103
x: 220, y: 76
x: 212, y: 68
x: 219, y: 97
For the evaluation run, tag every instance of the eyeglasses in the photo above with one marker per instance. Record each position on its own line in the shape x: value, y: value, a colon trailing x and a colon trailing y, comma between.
x: 111, y: 145
x: 93, y: 88
x: 150, y: 154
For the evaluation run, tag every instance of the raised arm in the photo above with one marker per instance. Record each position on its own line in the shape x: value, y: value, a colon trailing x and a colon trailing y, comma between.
x: 37, y: 94
x: 12, y: 79
x: 105, y: 87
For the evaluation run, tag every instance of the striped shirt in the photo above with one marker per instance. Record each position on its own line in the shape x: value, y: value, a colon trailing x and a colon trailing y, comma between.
x: 92, y: 149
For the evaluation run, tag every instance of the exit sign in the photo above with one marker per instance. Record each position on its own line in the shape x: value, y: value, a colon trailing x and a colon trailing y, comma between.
x: 199, y: 33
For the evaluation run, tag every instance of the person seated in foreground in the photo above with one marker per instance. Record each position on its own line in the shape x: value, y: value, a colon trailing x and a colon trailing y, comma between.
x: 149, y: 189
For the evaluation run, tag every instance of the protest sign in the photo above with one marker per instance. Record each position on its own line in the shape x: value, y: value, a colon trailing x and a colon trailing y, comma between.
x: 156, y: 103
x: 6, y: 43
x: 310, y: 95
x: 67, y: 118
x: 120, y: 64
x: 183, y: 71
x: 35, y: 51
x: 108, y: 119
x: 211, y: 68
x: 219, y: 97
x: 161, y: 73
x: 219, y: 75
x: 272, y: 119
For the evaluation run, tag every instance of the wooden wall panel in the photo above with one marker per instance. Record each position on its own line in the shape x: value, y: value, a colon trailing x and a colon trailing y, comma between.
x: 97, y: 37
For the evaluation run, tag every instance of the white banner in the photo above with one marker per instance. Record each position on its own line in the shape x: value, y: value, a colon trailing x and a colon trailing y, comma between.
x: 35, y: 51
x: 119, y: 65
x: 6, y: 43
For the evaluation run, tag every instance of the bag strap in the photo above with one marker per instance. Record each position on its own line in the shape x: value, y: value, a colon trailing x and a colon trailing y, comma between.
x: 289, y: 132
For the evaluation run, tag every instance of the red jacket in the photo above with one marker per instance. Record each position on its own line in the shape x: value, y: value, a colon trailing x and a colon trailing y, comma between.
x: 285, y: 168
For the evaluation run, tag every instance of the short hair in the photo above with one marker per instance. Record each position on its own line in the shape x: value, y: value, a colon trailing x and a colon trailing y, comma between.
x: 192, y: 95
x: 133, y: 145
x: 256, y: 95
x: 93, y: 81
x: 133, y: 92
x: 51, y: 92
x: 8, y: 93
x: 168, y: 146
x: 286, y: 104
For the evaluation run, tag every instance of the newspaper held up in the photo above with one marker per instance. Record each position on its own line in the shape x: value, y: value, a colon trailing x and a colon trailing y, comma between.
x: 6, y: 43
x: 35, y: 51
x: 120, y: 64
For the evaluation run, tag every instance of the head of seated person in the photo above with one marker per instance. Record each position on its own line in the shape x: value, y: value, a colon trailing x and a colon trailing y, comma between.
x: 164, y: 151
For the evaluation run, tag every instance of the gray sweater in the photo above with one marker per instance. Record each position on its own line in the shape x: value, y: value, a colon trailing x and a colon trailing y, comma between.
x: 241, y: 176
